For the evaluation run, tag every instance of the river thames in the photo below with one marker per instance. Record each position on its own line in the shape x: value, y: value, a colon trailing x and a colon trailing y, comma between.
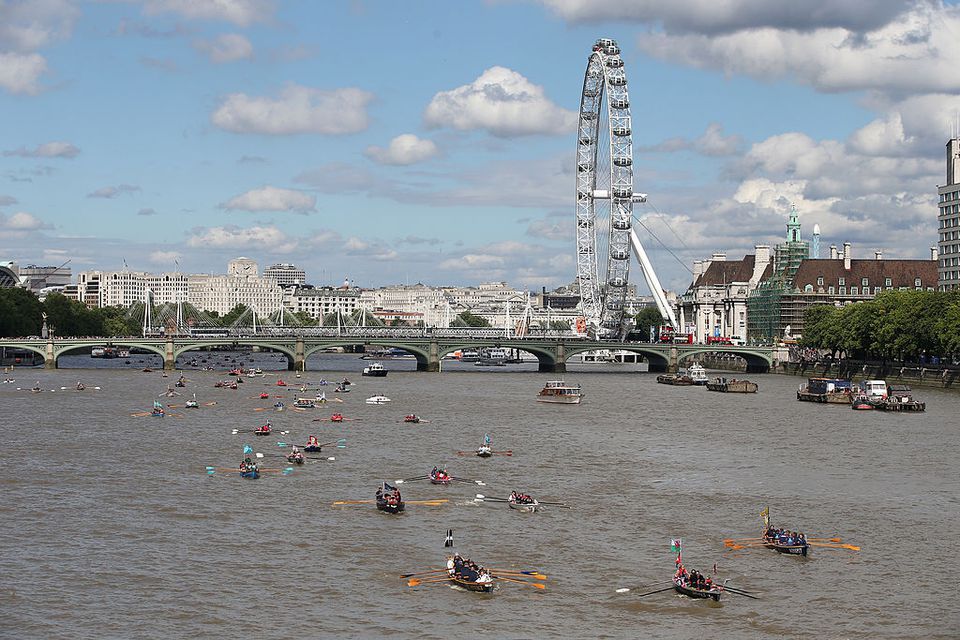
x: 113, y: 529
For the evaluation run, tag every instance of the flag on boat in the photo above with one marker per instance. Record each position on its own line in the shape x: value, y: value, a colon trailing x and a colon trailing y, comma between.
x: 676, y: 545
x: 486, y: 439
x: 765, y: 514
x: 448, y: 541
x: 247, y: 449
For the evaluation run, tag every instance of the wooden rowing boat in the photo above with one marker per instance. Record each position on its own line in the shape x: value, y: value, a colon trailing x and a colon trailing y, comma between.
x: 526, y: 507
x: 714, y: 592
x: 471, y: 585
x: 791, y: 549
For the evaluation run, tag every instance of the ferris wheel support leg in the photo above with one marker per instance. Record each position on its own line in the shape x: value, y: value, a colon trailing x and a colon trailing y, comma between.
x: 653, y: 282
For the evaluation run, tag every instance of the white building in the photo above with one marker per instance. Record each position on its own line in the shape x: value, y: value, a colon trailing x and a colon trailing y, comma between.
x: 286, y: 275
x: 322, y: 301
x: 716, y: 302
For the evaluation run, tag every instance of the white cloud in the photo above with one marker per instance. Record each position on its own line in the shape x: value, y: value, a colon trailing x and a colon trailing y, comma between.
x: 164, y: 257
x: 20, y: 72
x: 242, y: 13
x: 228, y: 47
x: 148, y: 211
x: 919, y: 52
x: 28, y: 25
x: 46, y: 150
x: 7, y: 200
x: 710, y: 16
x: 113, y: 192
x: 298, y: 109
x: 405, y: 149
x: 501, y: 102
x: 711, y: 143
x: 232, y: 237
x: 22, y: 221
x: 272, y: 199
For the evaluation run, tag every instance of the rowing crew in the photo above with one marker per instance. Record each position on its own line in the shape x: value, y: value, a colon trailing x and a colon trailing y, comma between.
x: 467, y: 570
x: 521, y: 498
x: 782, y: 536
x: 391, y: 496
x: 248, y: 466
x: 692, y: 579
x: 296, y: 456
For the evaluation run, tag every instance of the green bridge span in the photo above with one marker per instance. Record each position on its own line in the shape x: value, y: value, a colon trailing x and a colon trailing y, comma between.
x: 552, y: 353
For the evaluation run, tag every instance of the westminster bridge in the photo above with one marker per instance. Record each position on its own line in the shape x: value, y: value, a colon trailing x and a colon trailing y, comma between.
x: 429, y: 346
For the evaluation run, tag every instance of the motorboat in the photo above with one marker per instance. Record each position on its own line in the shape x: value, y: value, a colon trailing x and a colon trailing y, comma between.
x: 375, y: 370
x: 377, y: 400
x: 559, y: 392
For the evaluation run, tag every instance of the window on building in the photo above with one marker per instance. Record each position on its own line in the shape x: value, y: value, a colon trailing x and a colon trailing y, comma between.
x: 808, y: 288
x: 865, y: 282
x: 842, y: 281
x: 876, y: 290
x: 888, y: 282
x: 820, y: 281
x: 830, y: 290
x: 854, y: 291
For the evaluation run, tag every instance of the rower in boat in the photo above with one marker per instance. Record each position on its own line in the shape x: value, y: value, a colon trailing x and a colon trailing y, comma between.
x: 414, y: 418
x: 80, y: 386
x: 181, y: 382
x: 337, y: 417
x: 466, y: 573
x: 36, y: 388
x: 341, y: 388
x: 313, y: 445
x: 158, y: 411
x: 281, y: 383
x: 296, y: 456
x: 278, y: 405
x: 264, y: 395
x: 249, y: 469
x: 694, y: 584
x: 782, y: 540
x: 388, y: 499
x: 192, y: 404
x: 440, y: 476
x: 345, y: 383
x: 522, y: 502
x: 262, y: 430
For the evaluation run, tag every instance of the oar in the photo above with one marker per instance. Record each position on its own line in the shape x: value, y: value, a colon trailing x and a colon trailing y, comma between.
x: 650, y: 593
x: 482, y: 497
x: 420, y: 573
x: 410, y: 479
x: 416, y: 581
x: 535, y: 585
x: 502, y: 453
x: 824, y: 540
x: 741, y: 593
x: 433, y: 503
x: 327, y: 459
x: 342, y: 502
x: 529, y: 574
x: 468, y: 481
x: 736, y: 590
x: 834, y: 546
x: 643, y: 586
x: 532, y: 572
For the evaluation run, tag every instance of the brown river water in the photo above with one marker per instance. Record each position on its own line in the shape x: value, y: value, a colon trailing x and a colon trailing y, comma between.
x: 112, y: 529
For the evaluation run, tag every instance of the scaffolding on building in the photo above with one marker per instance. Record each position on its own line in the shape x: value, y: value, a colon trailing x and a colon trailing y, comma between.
x: 769, y: 317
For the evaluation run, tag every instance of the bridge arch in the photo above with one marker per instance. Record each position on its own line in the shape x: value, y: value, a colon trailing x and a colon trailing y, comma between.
x: 546, y: 356
x: 28, y: 347
x: 657, y: 361
x: 422, y: 356
x: 757, y: 362
x: 60, y: 351
x: 288, y: 350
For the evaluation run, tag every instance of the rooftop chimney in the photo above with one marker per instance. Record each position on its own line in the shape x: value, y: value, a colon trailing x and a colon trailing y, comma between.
x: 847, y: 255
x: 878, y: 255
x: 697, y: 268
x: 833, y: 252
x: 934, y: 254
x: 718, y: 257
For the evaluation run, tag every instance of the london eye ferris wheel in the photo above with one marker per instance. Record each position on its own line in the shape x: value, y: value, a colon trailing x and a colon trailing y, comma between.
x: 605, y: 197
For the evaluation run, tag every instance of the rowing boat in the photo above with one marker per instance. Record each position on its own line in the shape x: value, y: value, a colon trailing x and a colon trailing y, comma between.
x: 782, y: 547
x: 440, y: 476
x: 484, y: 452
x: 691, y: 592
x: 471, y: 585
x: 253, y: 474
x: 389, y: 500
x: 527, y: 507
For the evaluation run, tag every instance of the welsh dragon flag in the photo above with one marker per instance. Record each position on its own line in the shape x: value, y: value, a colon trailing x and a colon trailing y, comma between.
x: 676, y: 545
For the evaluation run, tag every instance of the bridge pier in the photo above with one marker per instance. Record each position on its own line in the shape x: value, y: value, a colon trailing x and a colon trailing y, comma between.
x: 169, y: 359
x: 50, y: 359
x: 299, y: 362
x: 673, y: 364
x: 432, y: 362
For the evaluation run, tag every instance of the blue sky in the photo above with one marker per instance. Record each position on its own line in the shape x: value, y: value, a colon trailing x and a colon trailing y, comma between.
x: 434, y: 141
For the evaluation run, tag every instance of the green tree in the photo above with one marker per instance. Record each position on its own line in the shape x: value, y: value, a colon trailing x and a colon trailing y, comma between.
x: 648, y: 317
x: 472, y: 320
x: 20, y: 313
